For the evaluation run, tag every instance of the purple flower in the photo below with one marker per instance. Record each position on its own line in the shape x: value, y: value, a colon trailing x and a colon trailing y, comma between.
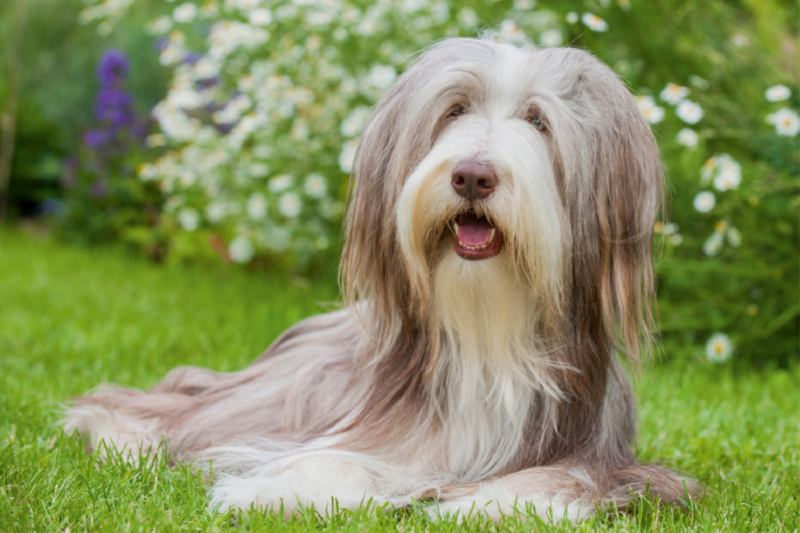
x: 94, y: 138
x: 206, y: 83
x: 191, y: 58
x: 113, y: 106
x: 113, y: 68
x: 99, y: 189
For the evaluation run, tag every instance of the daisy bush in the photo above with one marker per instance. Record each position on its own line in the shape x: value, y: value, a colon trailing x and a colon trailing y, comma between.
x: 259, y: 126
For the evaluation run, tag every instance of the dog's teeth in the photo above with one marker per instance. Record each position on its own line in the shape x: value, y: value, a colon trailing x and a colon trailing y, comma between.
x: 491, y: 236
x: 456, y: 225
x: 468, y: 247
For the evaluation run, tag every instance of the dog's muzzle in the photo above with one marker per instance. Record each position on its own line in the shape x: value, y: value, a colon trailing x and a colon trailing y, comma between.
x: 475, y: 235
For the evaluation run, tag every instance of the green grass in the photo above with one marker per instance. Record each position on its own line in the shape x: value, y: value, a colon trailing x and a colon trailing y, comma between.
x: 71, y: 318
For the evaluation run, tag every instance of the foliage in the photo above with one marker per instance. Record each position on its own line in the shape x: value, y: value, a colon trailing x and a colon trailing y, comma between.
x: 267, y: 100
x: 58, y: 59
x: 104, y: 199
x: 73, y: 319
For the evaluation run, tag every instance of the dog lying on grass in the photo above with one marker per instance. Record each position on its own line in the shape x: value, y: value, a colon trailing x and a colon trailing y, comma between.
x: 497, y: 261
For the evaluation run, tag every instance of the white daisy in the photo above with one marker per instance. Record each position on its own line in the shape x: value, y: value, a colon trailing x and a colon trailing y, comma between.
x: 704, y: 201
x: 280, y: 183
x: 206, y: 68
x: 216, y: 211
x: 355, y: 122
x: 257, y: 206
x: 468, y: 18
x: 155, y: 140
x: 687, y: 137
x: 786, y: 122
x: 698, y: 82
x: 652, y: 113
x: 258, y: 169
x: 572, y: 17
x: 551, y: 38
x: 189, y: 218
x: 241, y: 250
x: 185, y: 12
x: 713, y: 244
x: 347, y: 157
x: 594, y: 23
x: 316, y: 186
x: 689, y: 112
x: 289, y: 205
x: 740, y: 40
x: 778, y: 93
x: 719, y: 348
x: 670, y: 229
x: 340, y: 34
x: 159, y: 26
x: 147, y: 171
x: 729, y: 174
x: 511, y: 31
x: 260, y: 17
x: 381, y: 76
x: 674, y: 93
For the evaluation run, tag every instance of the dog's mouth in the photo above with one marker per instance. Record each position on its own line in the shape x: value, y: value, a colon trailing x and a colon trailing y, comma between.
x: 475, y: 236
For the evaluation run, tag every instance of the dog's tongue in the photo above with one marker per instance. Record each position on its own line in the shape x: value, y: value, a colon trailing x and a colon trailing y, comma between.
x: 474, y: 231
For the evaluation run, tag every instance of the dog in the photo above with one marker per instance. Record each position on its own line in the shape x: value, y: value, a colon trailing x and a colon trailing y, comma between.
x: 497, y: 268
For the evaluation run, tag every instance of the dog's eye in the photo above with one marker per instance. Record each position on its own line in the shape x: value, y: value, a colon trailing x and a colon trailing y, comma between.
x: 538, y: 123
x: 458, y: 111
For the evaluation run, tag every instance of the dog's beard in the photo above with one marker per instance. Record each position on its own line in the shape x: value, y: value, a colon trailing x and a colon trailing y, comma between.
x: 490, y: 313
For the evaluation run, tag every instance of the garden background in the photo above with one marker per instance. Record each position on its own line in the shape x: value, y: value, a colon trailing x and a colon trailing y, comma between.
x: 172, y: 183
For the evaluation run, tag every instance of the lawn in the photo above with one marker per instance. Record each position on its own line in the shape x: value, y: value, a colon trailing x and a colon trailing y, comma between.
x: 71, y: 318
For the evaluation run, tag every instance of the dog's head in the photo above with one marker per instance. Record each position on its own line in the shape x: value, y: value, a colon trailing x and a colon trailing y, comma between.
x: 495, y: 172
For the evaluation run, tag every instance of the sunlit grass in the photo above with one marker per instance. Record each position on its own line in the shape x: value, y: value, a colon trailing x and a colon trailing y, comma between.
x: 72, y: 318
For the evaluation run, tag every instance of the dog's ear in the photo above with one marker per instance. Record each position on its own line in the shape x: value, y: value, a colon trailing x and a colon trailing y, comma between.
x: 396, y: 138
x: 614, y: 189
x: 371, y: 264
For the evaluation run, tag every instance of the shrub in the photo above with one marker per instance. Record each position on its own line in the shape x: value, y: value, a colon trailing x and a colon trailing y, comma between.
x: 104, y: 199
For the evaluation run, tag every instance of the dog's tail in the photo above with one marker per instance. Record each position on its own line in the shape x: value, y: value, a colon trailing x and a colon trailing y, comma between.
x: 653, y: 482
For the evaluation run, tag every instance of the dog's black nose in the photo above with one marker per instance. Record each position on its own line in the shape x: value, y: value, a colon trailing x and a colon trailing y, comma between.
x: 474, y: 180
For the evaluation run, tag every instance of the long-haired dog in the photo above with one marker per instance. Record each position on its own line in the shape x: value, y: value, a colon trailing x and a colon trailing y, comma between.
x: 497, y: 262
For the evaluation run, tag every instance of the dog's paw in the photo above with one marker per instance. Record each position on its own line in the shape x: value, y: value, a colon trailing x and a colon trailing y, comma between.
x: 496, y: 501
x: 317, y: 481
x: 467, y: 507
x: 231, y: 492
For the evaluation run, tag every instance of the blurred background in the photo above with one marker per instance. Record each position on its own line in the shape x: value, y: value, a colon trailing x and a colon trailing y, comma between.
x: 223, y: 132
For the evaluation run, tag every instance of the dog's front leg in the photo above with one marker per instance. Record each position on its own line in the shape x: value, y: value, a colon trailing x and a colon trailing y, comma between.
x: 314, y: 478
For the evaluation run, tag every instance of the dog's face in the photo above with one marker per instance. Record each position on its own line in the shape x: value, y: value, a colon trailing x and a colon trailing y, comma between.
x: 523, y: 175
